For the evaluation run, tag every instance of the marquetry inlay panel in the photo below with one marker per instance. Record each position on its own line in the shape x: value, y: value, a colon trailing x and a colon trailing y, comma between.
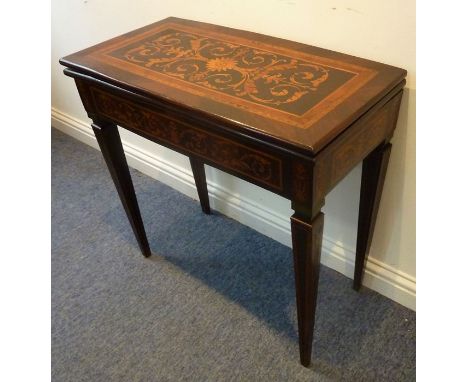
x: 273, y: 82
x: 261, y: 166
x: 256, y: 75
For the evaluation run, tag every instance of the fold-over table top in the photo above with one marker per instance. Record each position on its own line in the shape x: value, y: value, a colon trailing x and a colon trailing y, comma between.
x: 296, y: 93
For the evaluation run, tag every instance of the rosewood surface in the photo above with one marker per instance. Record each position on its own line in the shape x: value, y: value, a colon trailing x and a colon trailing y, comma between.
x: 291, y: 118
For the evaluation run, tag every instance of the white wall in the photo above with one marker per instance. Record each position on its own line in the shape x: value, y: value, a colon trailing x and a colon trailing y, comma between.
x: 375, y: 29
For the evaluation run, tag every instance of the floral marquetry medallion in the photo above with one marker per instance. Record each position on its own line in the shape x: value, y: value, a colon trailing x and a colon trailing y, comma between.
x: 266, y: 78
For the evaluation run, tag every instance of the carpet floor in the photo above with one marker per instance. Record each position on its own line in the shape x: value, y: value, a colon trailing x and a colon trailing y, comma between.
x: 215, y: 301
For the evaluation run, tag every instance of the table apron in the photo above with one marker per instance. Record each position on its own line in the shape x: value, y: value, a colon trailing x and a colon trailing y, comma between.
x: 374, y: 128
x: 276, y: 170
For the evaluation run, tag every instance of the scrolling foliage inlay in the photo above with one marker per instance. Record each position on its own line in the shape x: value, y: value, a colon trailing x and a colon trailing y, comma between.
x: 266, y: 78
x: 239, y: 158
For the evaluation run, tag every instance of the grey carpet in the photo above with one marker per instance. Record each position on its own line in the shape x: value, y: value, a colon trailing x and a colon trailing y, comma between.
x: 215, y: 302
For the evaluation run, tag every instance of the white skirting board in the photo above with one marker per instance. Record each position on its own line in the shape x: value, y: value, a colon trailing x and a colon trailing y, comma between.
x: 379, y: 276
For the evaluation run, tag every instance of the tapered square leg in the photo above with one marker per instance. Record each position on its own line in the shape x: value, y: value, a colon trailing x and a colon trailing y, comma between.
x: 307, y: 245
x: 374, y: 168
x: 109, y: 141
x: 198, y: 169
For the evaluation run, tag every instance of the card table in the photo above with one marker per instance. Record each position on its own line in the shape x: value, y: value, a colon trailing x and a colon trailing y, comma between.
x: 291, y: 118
